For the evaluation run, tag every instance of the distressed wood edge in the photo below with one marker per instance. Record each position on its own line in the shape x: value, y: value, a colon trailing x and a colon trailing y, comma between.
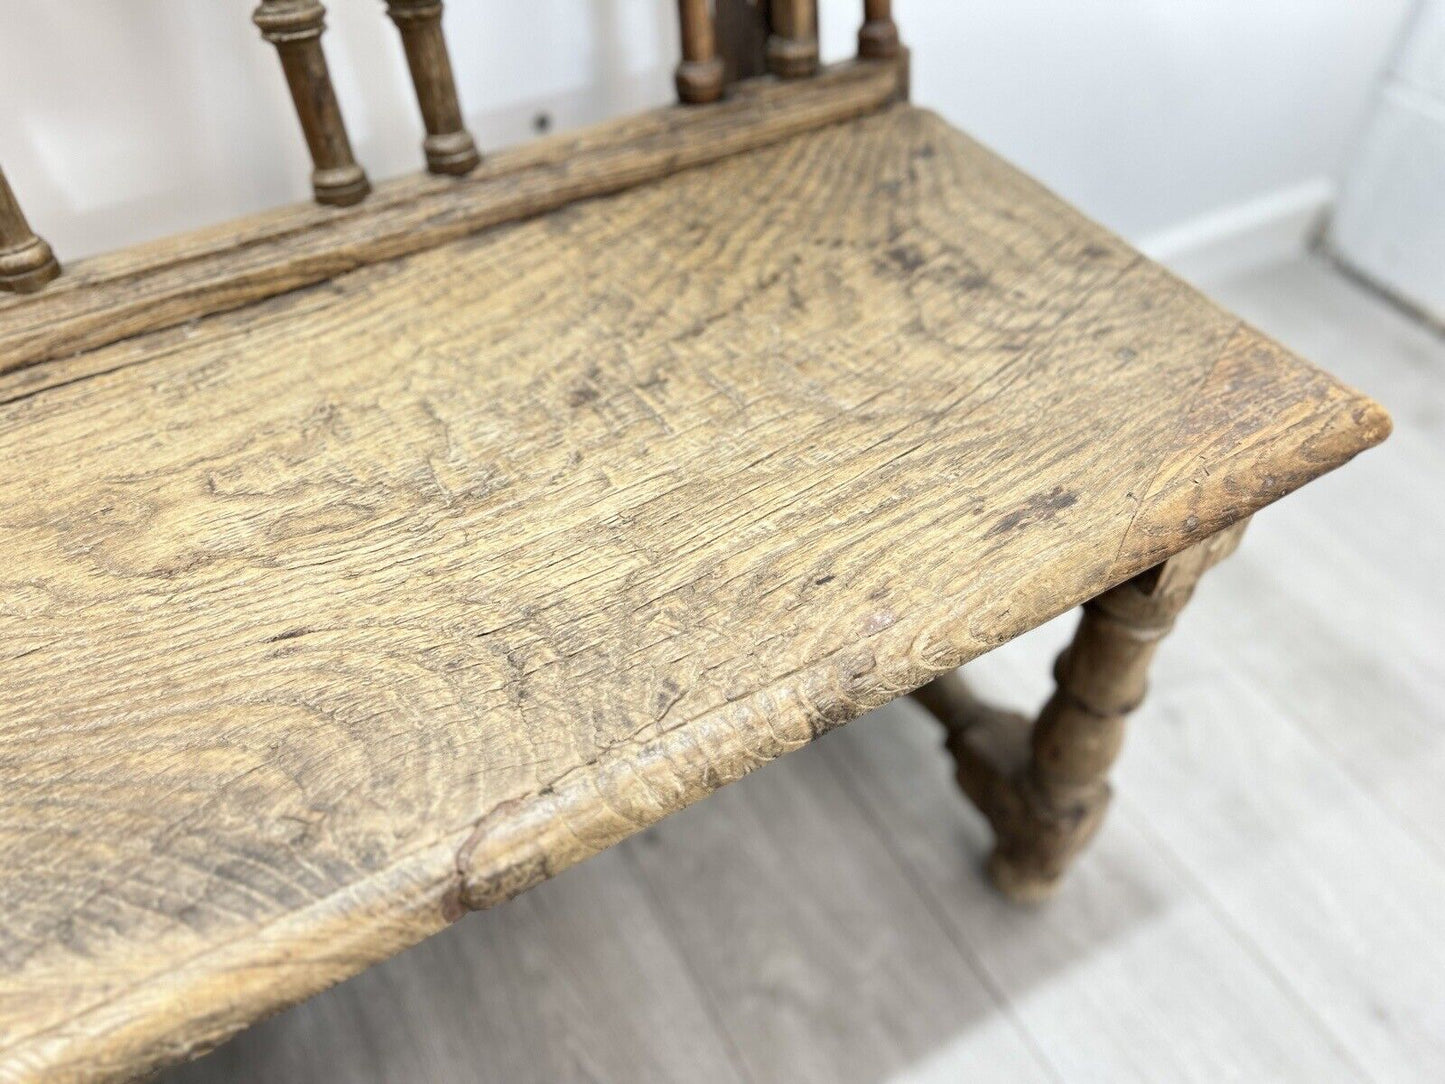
x: 191, y: 1007
x: 187, y: 1007
x: 163, y: 283
x: 182, y: 1010
x: 1171, y: 519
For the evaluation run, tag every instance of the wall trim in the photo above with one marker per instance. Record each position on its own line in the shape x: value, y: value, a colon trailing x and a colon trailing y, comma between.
x: 1264, y: 229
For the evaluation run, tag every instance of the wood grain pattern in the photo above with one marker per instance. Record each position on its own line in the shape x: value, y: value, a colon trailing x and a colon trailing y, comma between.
x: 341, y: 613
x: 165, y: 284
x: 1279, y: 756
x: 26, y: 262
x: 448, y: 146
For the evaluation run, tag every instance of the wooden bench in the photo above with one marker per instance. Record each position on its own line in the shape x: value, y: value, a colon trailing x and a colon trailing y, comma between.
x: 371, y: 561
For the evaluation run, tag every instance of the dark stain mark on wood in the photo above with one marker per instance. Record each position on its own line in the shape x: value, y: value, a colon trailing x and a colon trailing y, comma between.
x: 290, y: 634
x: 1037, y: 509
x: 907, y: 258
x: 581, y: 395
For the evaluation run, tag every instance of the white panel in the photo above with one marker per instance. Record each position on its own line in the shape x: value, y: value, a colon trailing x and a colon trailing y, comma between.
x: 1390, y: 223
x: 1146, y: 113
x: 1421, y: 63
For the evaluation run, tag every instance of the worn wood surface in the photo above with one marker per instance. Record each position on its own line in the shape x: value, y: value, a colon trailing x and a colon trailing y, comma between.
x: 1261, y: 903
x: 344, y: 612
x: 160, y: 285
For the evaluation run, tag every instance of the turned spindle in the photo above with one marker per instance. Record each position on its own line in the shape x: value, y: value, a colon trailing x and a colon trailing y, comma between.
x: 878, y: 37
x: 448, y: 145
x: 26, y: 262
x: 700, y: 74
x: 294, y: 27
x: 793, y: 43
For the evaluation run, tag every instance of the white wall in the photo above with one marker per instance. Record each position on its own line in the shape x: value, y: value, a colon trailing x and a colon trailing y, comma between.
x: 1150, y: 113
x: 126, y: 119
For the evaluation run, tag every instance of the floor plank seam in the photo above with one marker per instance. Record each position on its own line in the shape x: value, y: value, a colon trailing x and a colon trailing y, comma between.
x: 1238, y: 934
x: 713, y: 1010
x: 846, y: 777
x: 1430, y: 851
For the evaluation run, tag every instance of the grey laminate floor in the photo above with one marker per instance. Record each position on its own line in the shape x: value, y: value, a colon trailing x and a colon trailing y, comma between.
x: 1267, y: 901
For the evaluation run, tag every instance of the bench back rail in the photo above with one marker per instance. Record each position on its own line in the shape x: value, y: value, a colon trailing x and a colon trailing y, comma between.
x: 723, y: 42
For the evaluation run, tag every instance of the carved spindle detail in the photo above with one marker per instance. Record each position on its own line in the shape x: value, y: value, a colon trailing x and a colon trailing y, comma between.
x: 878, y: 37
x: 294, y: 27
x: 700, y: 74
x: 793, y: 44
x: 26, y: 262
x: 448, y: 145
x: 1044, y: 789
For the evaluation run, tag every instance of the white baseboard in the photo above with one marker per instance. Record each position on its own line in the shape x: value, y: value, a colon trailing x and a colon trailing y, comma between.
x: 1265, y: 229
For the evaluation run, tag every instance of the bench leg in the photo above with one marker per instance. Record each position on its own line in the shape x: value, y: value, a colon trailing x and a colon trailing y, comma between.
x: 1044, y: 786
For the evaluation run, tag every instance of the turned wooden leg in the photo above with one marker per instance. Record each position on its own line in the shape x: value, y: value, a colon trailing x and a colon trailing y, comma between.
x: 1044, y: 788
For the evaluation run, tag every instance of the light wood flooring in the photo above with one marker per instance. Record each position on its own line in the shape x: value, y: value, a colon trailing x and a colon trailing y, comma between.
x: 1267, y: 901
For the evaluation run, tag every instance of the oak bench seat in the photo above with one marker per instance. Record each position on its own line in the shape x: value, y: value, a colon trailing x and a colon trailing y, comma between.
x: 328, y: 618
